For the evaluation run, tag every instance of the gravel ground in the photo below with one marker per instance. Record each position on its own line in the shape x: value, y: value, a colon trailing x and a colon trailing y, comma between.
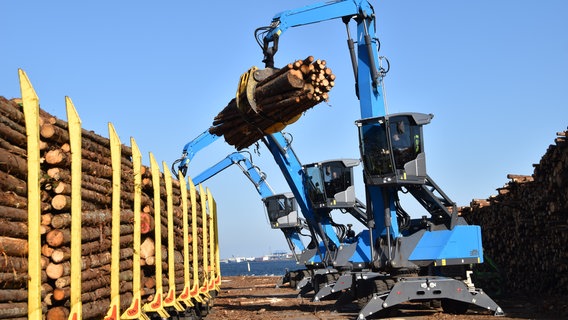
x: 257, y: 298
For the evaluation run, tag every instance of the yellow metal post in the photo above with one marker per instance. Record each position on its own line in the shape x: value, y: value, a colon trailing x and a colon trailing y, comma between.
x: 211, y: 229
x: 216, y: 245
x: 135, y: 309
x: 31, y: 113
x: 194, y: 293
x: 204, y: 290
x: 115, y: 155
x: 170, y: 298
x: 156, y: 305
x: 76, y: 176
x: 185, y: 296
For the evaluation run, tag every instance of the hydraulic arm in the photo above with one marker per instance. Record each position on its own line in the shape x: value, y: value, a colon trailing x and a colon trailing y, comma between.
x: 191, y: 148
x: 319, y: 225
x: 293, y: 229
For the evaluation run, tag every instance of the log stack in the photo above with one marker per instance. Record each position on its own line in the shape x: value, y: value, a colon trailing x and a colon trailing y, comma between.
x: 525, y: 226
x: 278, y: 100
x: 96, y: 195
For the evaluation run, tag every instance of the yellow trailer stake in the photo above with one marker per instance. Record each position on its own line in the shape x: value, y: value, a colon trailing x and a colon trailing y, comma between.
x: 135, y: 309
x: 204, y: 290
x: 157, y: 304
x: 31, y: 113
x: 170, y: 299
x: 185, y: 294
x: 115, y: 155
x: 194, y: 293
x: 76, y: 176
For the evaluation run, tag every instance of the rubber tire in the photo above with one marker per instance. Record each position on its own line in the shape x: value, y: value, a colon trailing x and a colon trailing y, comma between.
x: 293, y: 275
x: 188, y: 314
x: 454, y: 307
x: 319, y: 282
x: 204, y: 309
x: 365, y: 290
x: 370, y: 287
x: 435, y: 304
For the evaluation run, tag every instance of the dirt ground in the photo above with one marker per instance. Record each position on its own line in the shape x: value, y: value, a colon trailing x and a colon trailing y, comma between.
x: 257, y: 298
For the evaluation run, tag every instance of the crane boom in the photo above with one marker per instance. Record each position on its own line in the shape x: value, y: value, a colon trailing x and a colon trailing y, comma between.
x: 313, y: 13
x: 251, y: 171
x: 258, y: 179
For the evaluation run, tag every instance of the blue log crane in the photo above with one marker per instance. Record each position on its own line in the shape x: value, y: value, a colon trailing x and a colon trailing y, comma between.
x: 325, y: 240
x: 409, y: 256
x: 332, y: 246
x: 283, y: 212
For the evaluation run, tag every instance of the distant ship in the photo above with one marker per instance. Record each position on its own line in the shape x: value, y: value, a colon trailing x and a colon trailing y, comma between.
x: 276, y: 255
x: 238, y: 259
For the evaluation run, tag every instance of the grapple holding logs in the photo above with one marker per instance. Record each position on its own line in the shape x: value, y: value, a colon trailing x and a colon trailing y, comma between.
x: 268, y: 100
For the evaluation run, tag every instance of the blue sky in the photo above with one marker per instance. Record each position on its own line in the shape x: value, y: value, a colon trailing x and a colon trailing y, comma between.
x: 492, y: 72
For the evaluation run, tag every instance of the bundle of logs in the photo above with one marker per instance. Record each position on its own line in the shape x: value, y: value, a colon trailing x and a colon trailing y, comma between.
x: 279, y: 100
x: 96, y: 195
x: 525, y: 226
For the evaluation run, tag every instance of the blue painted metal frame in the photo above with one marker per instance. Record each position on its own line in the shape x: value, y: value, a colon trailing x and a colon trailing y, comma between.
x: 294, y: 175
x: 191, y: 148
x: 462, y: 242
x: 252, y: 173
x: 314, y: 13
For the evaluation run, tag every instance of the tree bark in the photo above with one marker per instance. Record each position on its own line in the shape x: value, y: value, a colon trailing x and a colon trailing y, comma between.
x: 13, y: 310
x: 12, y: 213
x: 13, y: 295
x: 11, y: 135
x: 13, y: 229
x: 13, y: 164
x: 13, y: 247
x: 13, y: 264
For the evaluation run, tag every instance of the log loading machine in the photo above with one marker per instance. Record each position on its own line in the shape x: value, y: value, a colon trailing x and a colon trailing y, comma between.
x: 330, y: 186
x: 395, y: 258
x: 326, y: 238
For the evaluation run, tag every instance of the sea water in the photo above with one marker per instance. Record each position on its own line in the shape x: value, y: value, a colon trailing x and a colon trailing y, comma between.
x: 259, y: 268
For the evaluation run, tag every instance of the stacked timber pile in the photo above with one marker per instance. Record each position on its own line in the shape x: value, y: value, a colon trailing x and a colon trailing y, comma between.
x: 278, y: 100
x: 525, y: 226
x: 96, y: 195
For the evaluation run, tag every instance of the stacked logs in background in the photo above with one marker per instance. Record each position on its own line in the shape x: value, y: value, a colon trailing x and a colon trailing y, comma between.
x: 96, y: 195
x: 279, y: 98
x: 525, y: 226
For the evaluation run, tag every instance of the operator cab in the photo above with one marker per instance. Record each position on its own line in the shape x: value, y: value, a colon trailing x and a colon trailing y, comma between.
x: 282, y: 210
x: 330, y: 183
x: 392, y: 148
